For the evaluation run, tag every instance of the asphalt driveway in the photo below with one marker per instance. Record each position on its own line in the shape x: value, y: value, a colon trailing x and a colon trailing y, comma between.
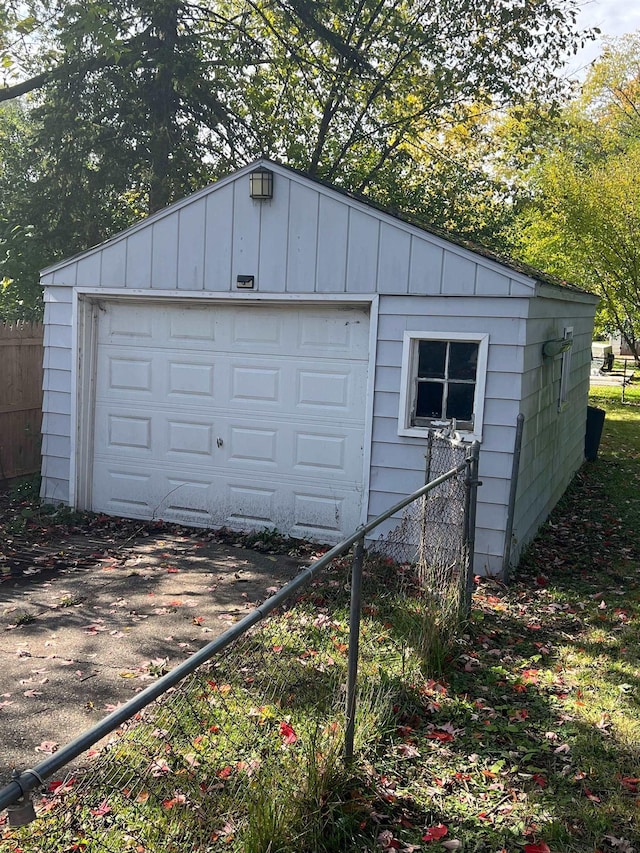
x: 86, y: 622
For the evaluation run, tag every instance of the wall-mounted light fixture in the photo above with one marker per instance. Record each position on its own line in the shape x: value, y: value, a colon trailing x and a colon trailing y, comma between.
x: 261, y: 184
x: 552, y: 349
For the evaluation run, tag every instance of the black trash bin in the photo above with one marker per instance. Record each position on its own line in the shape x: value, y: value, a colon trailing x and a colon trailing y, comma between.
x: 593, y: 434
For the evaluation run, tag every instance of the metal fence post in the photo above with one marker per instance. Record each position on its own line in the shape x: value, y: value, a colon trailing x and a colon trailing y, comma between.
x: 354, y: 642
x: 471, y: 499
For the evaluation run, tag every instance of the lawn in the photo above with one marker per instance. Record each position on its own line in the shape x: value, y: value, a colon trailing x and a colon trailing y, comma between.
x: 521, y: 734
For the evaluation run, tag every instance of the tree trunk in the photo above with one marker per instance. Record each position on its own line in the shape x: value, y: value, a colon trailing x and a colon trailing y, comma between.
x: 163, y: 105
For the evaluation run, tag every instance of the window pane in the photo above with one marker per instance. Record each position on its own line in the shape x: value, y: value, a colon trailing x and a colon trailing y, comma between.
x: 463, y: 360
x: 460, y: 401
x: 429, y: 402
x: 431, y: 359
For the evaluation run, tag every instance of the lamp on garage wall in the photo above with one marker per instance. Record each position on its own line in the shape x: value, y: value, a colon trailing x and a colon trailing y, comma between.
x: 261, y: 184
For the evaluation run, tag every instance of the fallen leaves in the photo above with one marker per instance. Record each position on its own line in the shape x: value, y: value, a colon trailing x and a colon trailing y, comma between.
x: 435, y: 833
x: 48, y: 747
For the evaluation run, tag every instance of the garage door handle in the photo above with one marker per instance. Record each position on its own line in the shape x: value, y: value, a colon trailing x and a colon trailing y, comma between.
x: 219, y: 441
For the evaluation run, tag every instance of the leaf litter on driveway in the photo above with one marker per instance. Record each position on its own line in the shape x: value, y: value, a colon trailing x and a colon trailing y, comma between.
x: 105, y: 618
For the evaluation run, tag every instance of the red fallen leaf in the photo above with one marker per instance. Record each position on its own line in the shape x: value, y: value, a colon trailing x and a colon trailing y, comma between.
x: 288, y: 733
x: 590, y: 795
x: 225, y: 772
x: 435, y: 832
x: 534, y: 627
x: 277, y: 649
x: 103, y: 809
x: 444, y: 737
x: 173, y: 801
x: 172, y: 570
x: 520, y: 714
x: 630, y: 783
x: 539, y: 847
x: 198, y: 620
x: 539, y: 780
x: 541, y: 580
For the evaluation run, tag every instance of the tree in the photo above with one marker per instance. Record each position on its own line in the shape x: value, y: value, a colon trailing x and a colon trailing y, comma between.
x: 136, y: 103
x: 582, y: 223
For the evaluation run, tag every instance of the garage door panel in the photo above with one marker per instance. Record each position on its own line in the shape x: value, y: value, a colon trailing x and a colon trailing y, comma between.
x: 189, y: 438
x: 190, y: 379
x: 251, y: 446
x: 250, y: 506
x: 129, y: 432
x: 255, y: 384
x: 122, y: 323
x: 190, y: 325
x: 246, y: 416
x: 337, y: 336
x: 317, y: 514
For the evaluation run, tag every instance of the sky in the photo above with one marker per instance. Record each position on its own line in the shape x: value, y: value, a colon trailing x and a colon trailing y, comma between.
x: 613, y: 17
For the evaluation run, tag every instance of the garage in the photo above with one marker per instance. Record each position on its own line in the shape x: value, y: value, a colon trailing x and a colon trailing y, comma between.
x: 248, y: 416
x: 274, y: 352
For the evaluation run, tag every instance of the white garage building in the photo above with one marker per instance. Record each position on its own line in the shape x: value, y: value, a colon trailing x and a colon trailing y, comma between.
x: 278, y: 362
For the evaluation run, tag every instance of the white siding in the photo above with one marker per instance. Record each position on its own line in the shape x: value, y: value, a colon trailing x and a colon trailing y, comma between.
x: 56, y: 404
x: 553, y: 440
x: 308, y: 239
x: 397, y: 462
x: 312, y: 241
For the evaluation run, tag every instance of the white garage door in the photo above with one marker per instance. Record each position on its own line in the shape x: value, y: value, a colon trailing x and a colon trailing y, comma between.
x: 239, y: 415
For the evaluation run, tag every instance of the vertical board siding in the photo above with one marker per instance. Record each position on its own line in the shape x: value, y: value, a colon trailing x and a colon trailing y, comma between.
x: 393, y: 261
x: 362, y: 256
x: 302, y: 239
x: 139, y: 250
x: 113, y: 268
x: 21, y: 353
x: 164, y: 257
x: 459, y: 275
x: 333, y: 229
x: 245, y: 240
x: 190, y: 269
x: 425, y: 276
x: 218, y: 240
x: 274, y: 241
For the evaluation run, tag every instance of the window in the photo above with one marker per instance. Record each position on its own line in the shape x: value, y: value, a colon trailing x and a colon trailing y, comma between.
x: 443, y: 379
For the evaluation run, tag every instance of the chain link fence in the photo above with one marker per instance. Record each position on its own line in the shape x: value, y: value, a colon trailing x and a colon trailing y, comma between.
x: 247, y: 752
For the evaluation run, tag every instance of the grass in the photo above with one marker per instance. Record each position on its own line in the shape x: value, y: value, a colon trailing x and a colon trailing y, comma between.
x: 520, y: 734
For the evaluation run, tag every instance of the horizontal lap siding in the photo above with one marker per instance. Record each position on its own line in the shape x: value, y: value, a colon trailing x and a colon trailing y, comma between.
x: 398, y: 462
x: 56, y: 405
x: 553, y: 440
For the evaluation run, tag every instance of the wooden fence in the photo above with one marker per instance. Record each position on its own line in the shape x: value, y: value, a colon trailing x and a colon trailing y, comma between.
x: 20, y: 399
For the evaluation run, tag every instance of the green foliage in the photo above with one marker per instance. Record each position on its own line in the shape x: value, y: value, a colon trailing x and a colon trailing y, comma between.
x: 138, y: 104
x: 582, y: 220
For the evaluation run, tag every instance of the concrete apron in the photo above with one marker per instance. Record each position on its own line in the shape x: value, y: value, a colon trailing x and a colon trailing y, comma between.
x: 78, y: 641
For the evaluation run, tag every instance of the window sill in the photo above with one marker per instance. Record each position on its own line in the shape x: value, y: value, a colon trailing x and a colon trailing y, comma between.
x: 466, y: 436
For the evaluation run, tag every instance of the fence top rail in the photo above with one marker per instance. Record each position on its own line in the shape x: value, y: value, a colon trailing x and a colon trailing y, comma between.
x: 17, y: 331
x: 30, y: 779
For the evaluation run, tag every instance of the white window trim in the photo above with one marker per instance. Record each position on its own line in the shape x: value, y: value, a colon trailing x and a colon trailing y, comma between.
x: 409, y: 355
x: 565, y: 371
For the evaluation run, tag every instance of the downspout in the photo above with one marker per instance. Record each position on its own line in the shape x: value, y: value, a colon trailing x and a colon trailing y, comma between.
x: 515, y: 468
